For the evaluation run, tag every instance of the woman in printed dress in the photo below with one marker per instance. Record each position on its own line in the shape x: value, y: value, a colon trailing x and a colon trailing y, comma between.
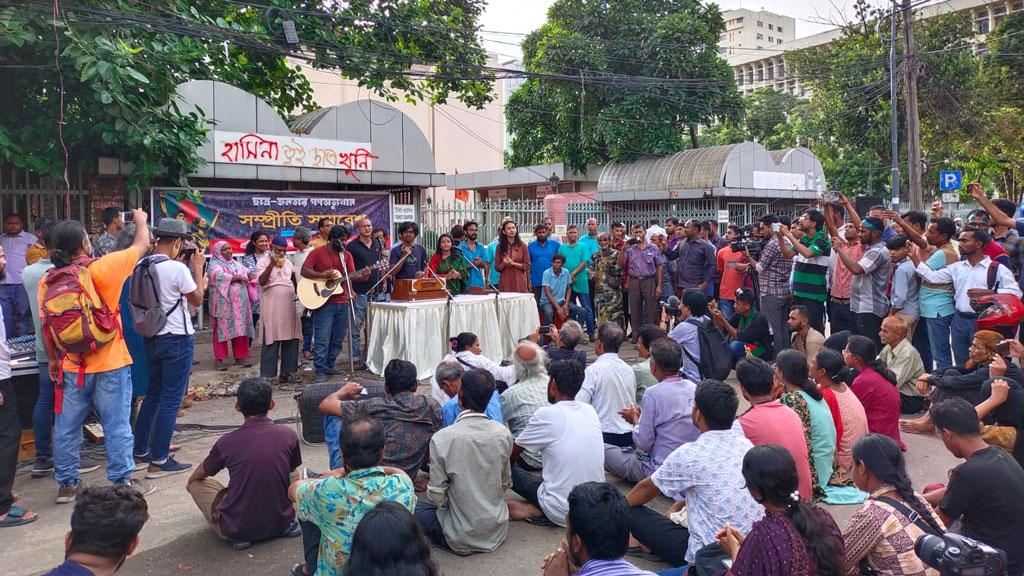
x: 229, y: 306
x: 607, y: 283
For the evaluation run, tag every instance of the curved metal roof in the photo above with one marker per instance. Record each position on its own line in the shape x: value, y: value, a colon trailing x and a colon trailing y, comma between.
x: 686, y: 170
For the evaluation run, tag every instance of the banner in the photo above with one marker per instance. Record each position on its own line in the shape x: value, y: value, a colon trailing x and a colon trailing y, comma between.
x: 233, y: 215
x: 270, y: 150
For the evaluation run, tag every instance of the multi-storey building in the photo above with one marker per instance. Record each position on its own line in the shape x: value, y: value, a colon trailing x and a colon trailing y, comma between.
x: 754, y: 29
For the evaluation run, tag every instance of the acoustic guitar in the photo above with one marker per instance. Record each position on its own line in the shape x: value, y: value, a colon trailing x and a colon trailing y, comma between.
x: 315, y: 292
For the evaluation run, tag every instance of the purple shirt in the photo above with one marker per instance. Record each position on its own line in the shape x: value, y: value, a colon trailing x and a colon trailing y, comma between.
x: 617, y: 567
x: 696, y: 263
x: 259, y: 456
x: 666, y: 420
x: 643, y: 262
x: 15, y: 248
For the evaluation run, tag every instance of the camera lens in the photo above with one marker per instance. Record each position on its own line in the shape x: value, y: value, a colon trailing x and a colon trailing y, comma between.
x: 929, y: 549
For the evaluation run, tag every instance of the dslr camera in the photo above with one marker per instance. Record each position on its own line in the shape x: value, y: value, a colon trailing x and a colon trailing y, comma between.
x: 748, y: 240
x: 956, y: 555
x: 673, y: 306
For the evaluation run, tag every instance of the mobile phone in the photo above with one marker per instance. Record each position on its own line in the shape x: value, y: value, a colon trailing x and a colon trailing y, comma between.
x: 1003, y: 348
x: 127, y: 217
x: 830, y: 196
x: 775, y: 226
x: 546, y: 329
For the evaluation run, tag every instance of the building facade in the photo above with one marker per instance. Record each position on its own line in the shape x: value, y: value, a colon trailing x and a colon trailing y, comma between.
x: 754, y: 30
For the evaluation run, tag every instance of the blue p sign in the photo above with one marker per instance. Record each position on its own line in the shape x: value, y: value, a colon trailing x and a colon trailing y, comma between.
x: 950, y: 180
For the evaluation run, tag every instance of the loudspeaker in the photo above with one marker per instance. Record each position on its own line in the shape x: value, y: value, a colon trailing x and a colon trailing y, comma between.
x: 309, y: 405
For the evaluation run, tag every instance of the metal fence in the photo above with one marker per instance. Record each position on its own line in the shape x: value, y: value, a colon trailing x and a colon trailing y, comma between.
x: 438, y: 218
x: 740, y: 213
x: 26, y: 193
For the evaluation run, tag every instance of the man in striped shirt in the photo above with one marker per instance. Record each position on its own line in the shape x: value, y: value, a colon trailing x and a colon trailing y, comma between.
x: 810, y: 256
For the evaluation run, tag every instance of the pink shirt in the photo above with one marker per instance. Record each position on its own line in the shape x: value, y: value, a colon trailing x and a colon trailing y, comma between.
x: 843, y: 278
x: 775, y: 423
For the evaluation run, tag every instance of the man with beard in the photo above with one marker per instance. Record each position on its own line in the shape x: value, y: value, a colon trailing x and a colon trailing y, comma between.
x: 330, y: 321
x: 475, y: 253
x: 13, y: 298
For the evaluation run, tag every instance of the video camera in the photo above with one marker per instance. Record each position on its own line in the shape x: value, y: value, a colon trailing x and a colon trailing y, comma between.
x: 749, y: 240
x: 955, y: 555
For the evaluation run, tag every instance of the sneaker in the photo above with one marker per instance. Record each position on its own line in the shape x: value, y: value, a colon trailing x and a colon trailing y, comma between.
x: 168, y: 468
x: 143, y: 487
x: 321, y: 378
x: 42, y: 467
x: 86, y: 465
x: 141, y: 462
x: 67, y: 494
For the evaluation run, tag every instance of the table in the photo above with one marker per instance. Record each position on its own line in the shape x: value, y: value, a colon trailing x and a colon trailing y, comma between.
x: 419, y: 331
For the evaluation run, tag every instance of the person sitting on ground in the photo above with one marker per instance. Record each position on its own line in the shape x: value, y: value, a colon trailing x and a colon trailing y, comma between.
x: 748, y: 328
x: 596, y: 535
x: 882, y: 532
x: 469, y: 473
x: 986, y: 493
x: 875, y: 387
x: 526, y: 396
x: 803, y: 396
x: 804, y: 337
x: 387, y: 542
x: 261, y: 458
x: 831, y: 373
x: 556, y: 294
x: 567, y: 435
x: 466, y: 350
x: 770, y: 422
x: 105, y: 526
x: 642, y: 370
x: 905, y: 362
x: 330, y: 507
x: 662, y: 424
x: 449, y: 377
x: 983, y: 363
x: 609, y: 386
x: 564, y: 342
x: 794, y: 537
x: 707, y: 473
x: 409, y: 420
x: 1004, y: 408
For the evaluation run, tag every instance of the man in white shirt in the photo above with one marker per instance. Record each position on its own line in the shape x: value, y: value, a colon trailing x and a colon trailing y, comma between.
x: 970, y: 278
x: 568, y: 437
x: 610, y: 386
x: 170, y: 352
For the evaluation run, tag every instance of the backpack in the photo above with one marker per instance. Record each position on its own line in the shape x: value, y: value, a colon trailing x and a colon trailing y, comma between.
x: 148, y: 316
x: 715, y: 356
x: 75, y: 318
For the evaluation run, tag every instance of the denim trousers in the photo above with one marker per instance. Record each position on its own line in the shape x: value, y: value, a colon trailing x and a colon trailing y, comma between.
x: 587, y: 306
x: 962, y: 332
x: 330, y: 323
x: 332, y: 437
x: 42, y: 416
x: 110, y: 394
x: 727, y: 307
x: 170, y: 362
x: 738, y: 349
x: 938, y: 338
x: 14, y: 303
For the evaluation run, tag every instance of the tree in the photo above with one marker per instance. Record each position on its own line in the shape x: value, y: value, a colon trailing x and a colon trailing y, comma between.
x: 121, y: 60
x: 618, y: 79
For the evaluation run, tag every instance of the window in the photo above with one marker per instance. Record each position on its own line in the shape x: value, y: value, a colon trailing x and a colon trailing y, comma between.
x: 780, y: 41
x: 739, y: 20
x: 770, y: 39
x: 1018, y: 6
x: 760, y: 36
x: 1000, y: 14
x: 981, y: 22
x: 771, y: 26
x: 779, y: 29
x: 760, y: 24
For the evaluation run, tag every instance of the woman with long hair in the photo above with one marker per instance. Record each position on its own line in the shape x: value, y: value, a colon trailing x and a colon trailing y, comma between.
x: 512, y: 260
x: 795, y: 538
x: 803, y: 397
x: 229, y: 306
x: 831, y: 373
x: 875, y: 387
x: 607, y: 283
x: 259, y: 244
x: 389, y: 542
x: 448, y: 263
x: 882, y: 532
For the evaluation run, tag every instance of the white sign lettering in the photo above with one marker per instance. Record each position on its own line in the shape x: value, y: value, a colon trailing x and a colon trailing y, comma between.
x: 270, y: 150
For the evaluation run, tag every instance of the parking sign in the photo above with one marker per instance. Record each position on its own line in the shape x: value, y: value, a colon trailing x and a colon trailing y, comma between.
x: 951, y: 180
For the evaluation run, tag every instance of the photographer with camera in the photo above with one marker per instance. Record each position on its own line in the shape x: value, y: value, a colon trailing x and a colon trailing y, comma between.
x: 747, y: 327
x: 773, y: 270
x: 732, y: 265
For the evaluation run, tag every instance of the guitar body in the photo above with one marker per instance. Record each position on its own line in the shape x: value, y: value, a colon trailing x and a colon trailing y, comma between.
x: 314, y: 293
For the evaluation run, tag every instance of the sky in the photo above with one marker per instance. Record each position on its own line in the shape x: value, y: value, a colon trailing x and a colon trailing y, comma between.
x: 524, y: 16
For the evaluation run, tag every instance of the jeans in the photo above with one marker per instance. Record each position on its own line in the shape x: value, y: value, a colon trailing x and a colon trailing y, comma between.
x: 14, y: 303
x: 663, y: 536
x: 962, y: 331
x: 426, y: 517
x: 817, y: 311
x: 361, y: 303
x: 332, y: 437
x: 868, y: 325
x: 526, y: 485
x: 839, y: 316
x: 310, y: 545
x: 776, y: 311
x: 575, y: 313
x: 10, y: 438
x: 738, y: 349
x: 330, y: 323
x: 42, y: 416
x: 587, y: 308
x: 728, y: 308
x: 170, y: 361
x: 938, y: 338
x: 110, y: 393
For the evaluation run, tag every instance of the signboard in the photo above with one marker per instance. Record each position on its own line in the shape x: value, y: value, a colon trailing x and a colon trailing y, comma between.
x: 780, y: 181
x: 723, y: 216
x: 404, y: 213
x: 233, y: 215
x: 950, y: 197
x: 951, y: 180
x: 270, y: 150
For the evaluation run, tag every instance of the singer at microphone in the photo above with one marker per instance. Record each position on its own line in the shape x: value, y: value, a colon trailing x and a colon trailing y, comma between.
x: 416, y: 263
x: 475, y: 254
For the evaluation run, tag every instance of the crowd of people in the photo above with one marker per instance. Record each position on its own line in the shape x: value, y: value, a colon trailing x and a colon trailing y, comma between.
x: 835, y: 327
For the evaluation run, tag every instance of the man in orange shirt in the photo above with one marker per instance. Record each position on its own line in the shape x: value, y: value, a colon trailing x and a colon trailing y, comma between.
x: 106, y: 385
x: 733, y: 265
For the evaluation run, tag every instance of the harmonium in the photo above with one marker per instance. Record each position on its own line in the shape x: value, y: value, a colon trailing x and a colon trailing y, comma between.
x: 418, y: 289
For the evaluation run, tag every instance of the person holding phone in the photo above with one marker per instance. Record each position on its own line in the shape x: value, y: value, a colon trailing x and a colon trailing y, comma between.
x: 774, y: 270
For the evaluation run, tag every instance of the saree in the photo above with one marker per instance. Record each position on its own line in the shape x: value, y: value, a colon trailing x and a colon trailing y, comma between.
x: 452, y: 263
x: 607, y: 287
x: 229, y: 300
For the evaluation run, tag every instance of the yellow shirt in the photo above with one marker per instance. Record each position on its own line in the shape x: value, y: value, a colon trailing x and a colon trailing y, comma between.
x: 318, y: 242
x: 108, y: 275
x: 34, y: 252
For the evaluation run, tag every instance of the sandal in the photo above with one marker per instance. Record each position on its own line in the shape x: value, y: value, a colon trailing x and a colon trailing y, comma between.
x: 18, y: 516
x: 638, y: 552
x: 297, y: 569
x: 291, y: 531
x: 541, y: 521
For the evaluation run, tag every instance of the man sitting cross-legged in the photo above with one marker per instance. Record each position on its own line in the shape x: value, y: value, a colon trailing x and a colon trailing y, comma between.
x: 261, y: 458
x: 469, y: 473
x: 609, y: 386
x: 526, y: 396
x: 662, y: 423
x: 568, y: 437
x: 330, y: 508
x: 449, y: 377
x: 707, y: 473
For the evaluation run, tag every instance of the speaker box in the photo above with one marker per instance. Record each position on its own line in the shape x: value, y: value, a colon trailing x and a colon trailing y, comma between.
x: 309, y: 405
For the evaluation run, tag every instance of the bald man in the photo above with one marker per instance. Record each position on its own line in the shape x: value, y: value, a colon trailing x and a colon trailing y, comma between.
x: 904, y: 360
x: 526, y: 396
x: 449, y: 378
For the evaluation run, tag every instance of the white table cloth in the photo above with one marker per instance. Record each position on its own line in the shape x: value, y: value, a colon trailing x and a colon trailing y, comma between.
x: 419, y: 331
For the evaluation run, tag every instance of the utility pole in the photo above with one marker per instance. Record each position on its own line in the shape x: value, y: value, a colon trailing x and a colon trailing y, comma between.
x: 910, y: 71
x: 894, y: 117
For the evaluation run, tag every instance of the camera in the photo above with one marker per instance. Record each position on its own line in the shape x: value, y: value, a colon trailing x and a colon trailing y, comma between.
x: 953, y: 554
x: 673, y: 306
x: 632, y: 242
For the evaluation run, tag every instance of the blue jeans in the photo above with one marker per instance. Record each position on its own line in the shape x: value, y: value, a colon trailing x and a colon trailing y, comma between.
x: 42, y: 416
x: 728, y: 307
x: 962, y: 332
x: 330, y: 323
x: 678, y: 571
x: 14, y: 301
x: 332, y: 432
x: 170, y: 361
x: 738, y: 349
x: 110, y: 393
x: 588, y: 310
x: 575, y: 313
x: 938, y: 340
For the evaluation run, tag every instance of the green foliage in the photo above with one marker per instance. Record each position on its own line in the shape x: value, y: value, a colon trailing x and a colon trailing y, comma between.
x: 607, y: 114
x: 122, y: 59
x: 774, y: 119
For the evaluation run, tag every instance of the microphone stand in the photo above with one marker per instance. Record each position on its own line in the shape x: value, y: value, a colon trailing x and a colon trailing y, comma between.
x: 351, y: 310
x: 448, y: 304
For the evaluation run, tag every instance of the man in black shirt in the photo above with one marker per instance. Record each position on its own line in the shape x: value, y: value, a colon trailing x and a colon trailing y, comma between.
x: 747, y: 327
x: 985, y: 493
x: 366, y: 251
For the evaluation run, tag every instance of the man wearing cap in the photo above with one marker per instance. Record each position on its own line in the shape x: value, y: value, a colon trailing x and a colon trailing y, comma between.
x: 869, y: 303
x: 169, y: 353
x: 330, y: 321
